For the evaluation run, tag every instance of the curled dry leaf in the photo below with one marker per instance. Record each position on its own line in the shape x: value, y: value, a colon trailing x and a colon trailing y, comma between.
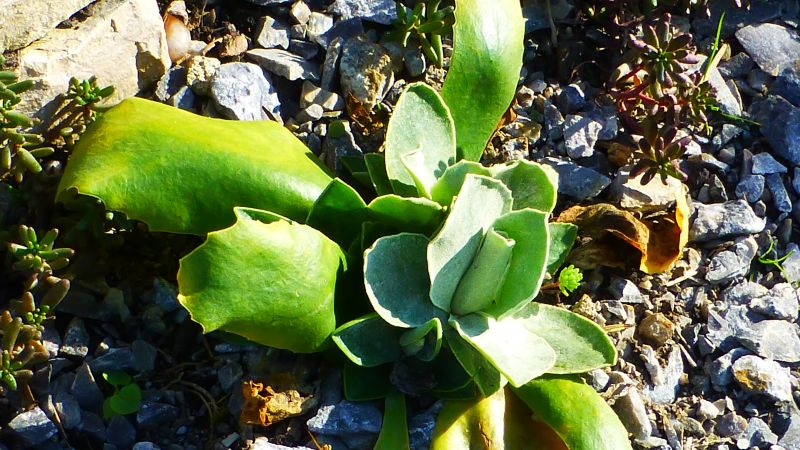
x: 657, y: 240
x: 263, y: 406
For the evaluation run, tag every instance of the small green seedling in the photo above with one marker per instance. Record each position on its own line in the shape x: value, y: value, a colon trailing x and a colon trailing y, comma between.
x: 569, y: 279
x: 767, y: 259
x: 127, y: 397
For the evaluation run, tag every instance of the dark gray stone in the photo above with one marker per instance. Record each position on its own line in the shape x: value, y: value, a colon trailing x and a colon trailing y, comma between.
x: 76, y: 339
x: 780, y: 196
x: 318, y: 28
x: 68, y: 410
x: 721, y: 220
x: 93, y: 425
x: 145, y: 445
x: 730, y: 425
x: 576, y: 181
x: 304, y: 49
x: 787, y: 85
x: 164, y: 294
x: 85, y: 390
x: 736, y: 17
x: 365, y: 71
x: 420, y: 427
x: 633, y: 414
x: 732, y: 263
x: 750, y: 188
x: 33, y: 426
x: 346, y: 418
x: 51, y: 341
x: 739, y: 65
x: 154, y: 413
x: 184, y: 99
x: 664, y: 380
x: 771, y: 46
x: 144, y: 356
x: 571, y: 99
x: 764, y: 164
x: 121, y: 432
x: 114, y: 359
x: 336, y: 146
x: 170, y: 83
x: 229, y: 374
x: 271, y: 33
x: 757, y: 434
x: 378, y: 11
x: 720, y: 370
x: 625, y: 291
x: 580, y: 136
x: 780, y: 124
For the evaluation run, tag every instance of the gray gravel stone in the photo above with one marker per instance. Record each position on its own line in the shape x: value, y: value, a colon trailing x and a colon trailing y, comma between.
x: 780, y: 124
x: 771, y: 46
x: 764, y: 163
x: 184, y: 99
x: 576, y: 181
x: 420, y: 427
x: 791, y: 265
x: 145, y: 445
x: 706, y: 410
x: 199, y: 72
x: 665, y: 380
x: 633, y: 414
x: 365, y: 71
x: 51, y: 341
x: 720, y: 220
x: 760, y: 376
x: 229, y: 374
x: 571, y: 99
x: 730, y: 425
x: 598, y: 379
x: 33, y: 426
x: 339, y: 144
x: 242, y: 91
x: 553, y: 121
x: 170, y: 83
x: 93, y: 425
x: 284, y: 64
x: 414, y: 62
x: 378, y: 11
x: 750, y: 188
x: 164, y: 294
x: 781, y: 302
x: 304, y: 49
x: 625, y: 290
x: 757, y: 434
x: 144, y: 355
x: 114, y: 359
x: 580, y: 135
x: 735, y: 262
x: 76, y: 339
x: 318, y: 27
x: 271, y: 33
x: 773, y: 339
x: 312, y: 95
x: 739, y: 65
x: 300, y: 12
x: 780, y: 196
x: 331, y: 64
x: 85, y: 390
x: 154, y: 413
x: 346, y: 418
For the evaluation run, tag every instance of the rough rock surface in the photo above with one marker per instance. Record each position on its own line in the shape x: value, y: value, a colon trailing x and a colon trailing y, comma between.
x: 24, y: 21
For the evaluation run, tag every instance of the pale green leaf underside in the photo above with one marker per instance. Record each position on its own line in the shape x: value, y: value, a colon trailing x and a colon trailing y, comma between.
x: 508, y: 344
x: 479, y: 286
x: 183, y: 173
x: 528, y: 229
x: 532, y: 185
x: 369, y: 341
x: 580, y: 344
x: 562, y: 236
x: 480, y: 202
x: 396, y: 280
x: 272, y: 283
x: 421, y: 124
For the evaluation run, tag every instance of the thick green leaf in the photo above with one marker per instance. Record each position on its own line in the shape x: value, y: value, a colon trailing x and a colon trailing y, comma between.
x: 396, y: 279
x: 528, y: 229
x: 117, y: 378
x: 127, y: 401
x: 376, y: 167
x: 272, y: 283
x: 532, y: 185
x: 338, y: 212
x: 369, y: 341
x: 425, y: 341
x: 420, y: 125
x: 357, y: 168
x: 480, y: 202
x: 576, y: 412
x: 580, y: 344
x: 447, y: 187
x: 486, y: 377
x: 484, y: 69
x: 498, y: 422
x: 481, y: 283
x: 508, y: 344
x: 183, y: 173
x: 562, y: 236
x: 394, y: 430
x: 366, y: 383
x: 414, y: 214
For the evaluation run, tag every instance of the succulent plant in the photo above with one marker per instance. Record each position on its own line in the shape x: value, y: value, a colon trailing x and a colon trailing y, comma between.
x: 658, y: 153
x: 426, y: 23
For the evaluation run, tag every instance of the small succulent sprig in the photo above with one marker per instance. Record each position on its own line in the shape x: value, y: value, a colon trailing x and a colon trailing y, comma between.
x: 427, y: 23
x: 659, y: 153
x: 569, y: 279
x: 82, y: 103
x: 38, y: 255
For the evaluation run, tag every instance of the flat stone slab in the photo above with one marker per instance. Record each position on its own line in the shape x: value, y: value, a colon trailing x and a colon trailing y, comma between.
x: 24, y: 21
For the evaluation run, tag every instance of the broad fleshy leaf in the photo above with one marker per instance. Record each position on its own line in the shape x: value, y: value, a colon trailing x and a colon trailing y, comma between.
x: 576, y: 412
x: 396, y: 279
x: 418, y: 215
x: 425, y: 341
x: 532, y: 185
x: 483, y: 280
x: 480, y: 202
x: 420, y: 125
x: 448, y: 185
x: 562, y: 236
x: 376, y: 167
x: 394, y: 430
x: 337, y: 212
x: 183, y: 173
x: 265, y: 278
x: 580, y: 344
x: 497, y: 422
x: 366, y: 383
x: 488, y: 41
x: 369, y: 341
x: 528, y: 229
x: 508, y: 344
